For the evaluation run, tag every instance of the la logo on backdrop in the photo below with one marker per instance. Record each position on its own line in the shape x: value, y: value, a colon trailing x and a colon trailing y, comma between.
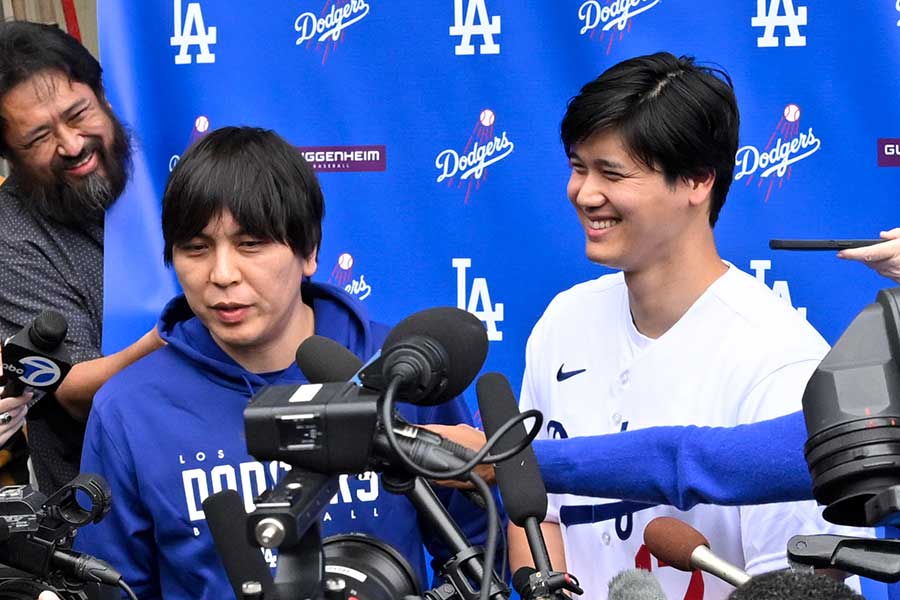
x: 323, y: 32
x: 468, y: 167
x: 602, y: 21
x: 787, y: 145
x: 342, y: 276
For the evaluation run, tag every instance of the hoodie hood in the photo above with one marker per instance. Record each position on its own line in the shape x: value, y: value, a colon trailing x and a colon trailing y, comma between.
x: 338, y: 316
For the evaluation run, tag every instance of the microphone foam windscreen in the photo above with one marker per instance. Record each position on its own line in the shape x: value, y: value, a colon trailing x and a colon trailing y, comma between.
x: 635, y: 584
x: 518, y: 477
x: 673, y: 541
x: 462, y: 336
x: 48, y: 330
x: 227, y: 521
x: 323, y: 360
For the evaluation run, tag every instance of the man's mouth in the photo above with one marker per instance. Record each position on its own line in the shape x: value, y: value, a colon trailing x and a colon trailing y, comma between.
x: 230, y: 312
x: 83, y: 166
x: 600, y: 224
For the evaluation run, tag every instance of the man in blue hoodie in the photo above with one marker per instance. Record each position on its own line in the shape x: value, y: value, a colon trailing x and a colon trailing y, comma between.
x: 241, y: 223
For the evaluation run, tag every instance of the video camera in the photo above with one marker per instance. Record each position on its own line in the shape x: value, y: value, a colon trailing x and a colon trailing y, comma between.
x: 852, y: 411
x: 36, y: 534
x: 324, y: 429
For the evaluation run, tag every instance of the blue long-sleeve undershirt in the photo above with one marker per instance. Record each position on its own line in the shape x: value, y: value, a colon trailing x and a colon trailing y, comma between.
x: 684, y: 465
x: 687, y: 465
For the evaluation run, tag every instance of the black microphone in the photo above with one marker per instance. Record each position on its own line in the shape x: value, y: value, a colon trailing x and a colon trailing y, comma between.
x: 36, y: 355
x: 243, y: 562
x: 323, y: 360
x: 436, y: 353
x: 519, y: 479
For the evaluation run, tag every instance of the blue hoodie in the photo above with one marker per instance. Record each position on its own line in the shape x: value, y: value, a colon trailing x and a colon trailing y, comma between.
x: 168, y: 431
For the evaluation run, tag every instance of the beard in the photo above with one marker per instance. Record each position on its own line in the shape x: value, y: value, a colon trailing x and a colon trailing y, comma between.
x: 85, y: 200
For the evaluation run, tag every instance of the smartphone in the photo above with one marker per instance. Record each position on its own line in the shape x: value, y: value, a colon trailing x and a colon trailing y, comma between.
x: 820, y: 244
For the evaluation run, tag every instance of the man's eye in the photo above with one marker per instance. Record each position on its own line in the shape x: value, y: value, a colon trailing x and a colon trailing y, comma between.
x: 38, y: 140
x: 193, y: 248
x: 77, y: 116
x: 612, y: 175
x: 252, y: 243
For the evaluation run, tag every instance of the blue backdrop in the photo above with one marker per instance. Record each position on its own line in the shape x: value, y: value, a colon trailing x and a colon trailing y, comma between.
x: 434, y: 129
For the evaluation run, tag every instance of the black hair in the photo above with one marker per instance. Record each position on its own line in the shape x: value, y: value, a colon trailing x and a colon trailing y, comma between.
x: 672, y: 115
x: 793, y: 585
x: 254, y: 174
x: 28, y: 49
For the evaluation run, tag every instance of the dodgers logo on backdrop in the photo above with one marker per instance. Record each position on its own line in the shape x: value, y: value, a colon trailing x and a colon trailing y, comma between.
x: 610, y: 17
x: 787, y: 146
x: 477, y: 22
x: 483, y: 149
x: 201, y: 127
x: 342, y: 276
x: 327, y: 28
x: 489, y: 313
x: 190, y: 30
x: 780, y: 15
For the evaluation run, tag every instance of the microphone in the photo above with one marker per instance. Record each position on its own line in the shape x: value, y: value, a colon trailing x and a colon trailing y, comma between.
x: 521, y: 487
x: 635, y: 584
x: 323, y: 360
x: 36, y: 355
x: 436, y: 353
x: 678, y: 544
x: 518, y: 477
x: 243, y: 562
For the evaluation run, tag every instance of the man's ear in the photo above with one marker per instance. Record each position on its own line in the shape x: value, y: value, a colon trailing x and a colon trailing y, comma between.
x: 311, y: 263
x: 700, y: 187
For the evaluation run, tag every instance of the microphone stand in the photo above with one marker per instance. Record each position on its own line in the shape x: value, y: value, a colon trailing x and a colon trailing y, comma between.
x: 467, y: 563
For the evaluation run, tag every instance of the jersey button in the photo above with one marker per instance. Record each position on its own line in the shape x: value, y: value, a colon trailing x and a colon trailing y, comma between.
x: 616, y: 418
x: 623, y: 378
x: 606, y: 538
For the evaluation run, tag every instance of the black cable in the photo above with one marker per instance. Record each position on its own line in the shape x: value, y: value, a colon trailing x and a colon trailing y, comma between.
x: 491, y: 543
x: 127, y: 589
x: 481, y: 456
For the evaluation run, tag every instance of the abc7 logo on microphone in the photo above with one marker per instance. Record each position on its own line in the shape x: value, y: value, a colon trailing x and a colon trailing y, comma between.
x: 35, y: 371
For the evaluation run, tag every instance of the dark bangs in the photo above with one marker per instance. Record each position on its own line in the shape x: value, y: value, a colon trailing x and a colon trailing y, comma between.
x: 254, y: 174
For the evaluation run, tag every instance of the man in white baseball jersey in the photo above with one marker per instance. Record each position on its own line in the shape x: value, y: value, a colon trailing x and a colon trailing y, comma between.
x: 677, y: 337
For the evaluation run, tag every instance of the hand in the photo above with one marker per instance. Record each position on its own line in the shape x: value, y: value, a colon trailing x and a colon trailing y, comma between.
x: 12, y: 415
x: 883, y: 257
x: 471, y: 438
x: 48, y: 595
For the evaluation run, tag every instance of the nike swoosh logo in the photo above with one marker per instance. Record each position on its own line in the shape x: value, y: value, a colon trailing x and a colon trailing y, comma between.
x: 563, y: 375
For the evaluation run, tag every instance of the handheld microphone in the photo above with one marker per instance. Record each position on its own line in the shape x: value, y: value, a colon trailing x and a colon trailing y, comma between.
x: 36, y: 356
x: 675, y: 542
x: 243, y: 562
x: 436, y: 353
x: 635, y: 584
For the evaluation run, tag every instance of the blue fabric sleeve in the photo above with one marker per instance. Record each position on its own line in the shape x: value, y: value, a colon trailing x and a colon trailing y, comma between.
x: 124, y: 537
x: 684, y: 465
